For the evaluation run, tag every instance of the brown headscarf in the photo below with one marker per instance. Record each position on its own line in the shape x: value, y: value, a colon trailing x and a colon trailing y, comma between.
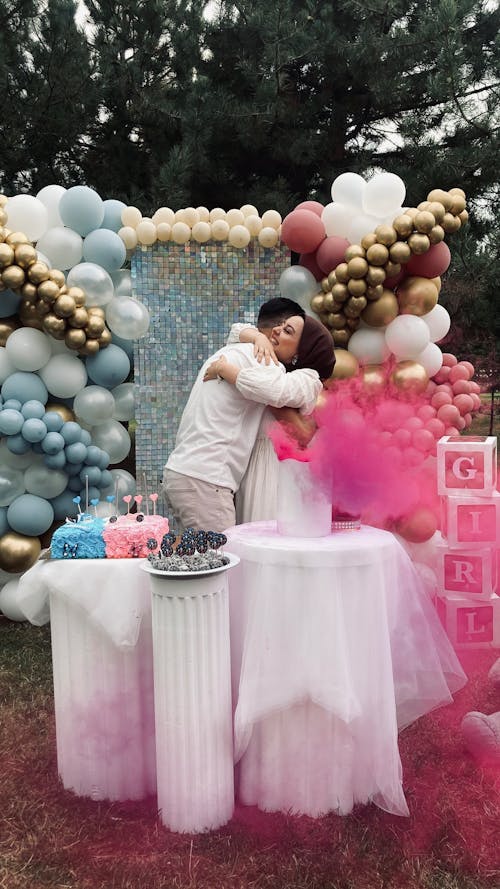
x: 315, y: 349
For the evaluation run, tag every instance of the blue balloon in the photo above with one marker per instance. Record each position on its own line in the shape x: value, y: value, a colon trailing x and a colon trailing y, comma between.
x: 53, y: 443
x: 4, y: 525
x: 33, y: 409
x: 17, y: 444
x: 53, y: 421
x: 36, y: 447
x: 25, y: 386
x: 85, y: 437
x: 108, y: 367
x: 56, y: 461
x: 113, y: 215
x: 104, y: 461
x: 105, y: 248
x: 81, y: 209
x: 11, y: 421
x: 106, y: 479
x: 126, y: 345
x: 93, y: 455
x: 9, y: 303
x: 30, y: 515
x: 75, y: 484
x: 12, y: 404
x: 34, y: 430
x: 71, y: 432
x: 76, y: 452
x: 93, y: 474
x: 63, y: 506
x: 74, y: 468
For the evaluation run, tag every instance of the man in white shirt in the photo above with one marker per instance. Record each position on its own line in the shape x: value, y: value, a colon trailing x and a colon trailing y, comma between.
x: 219, y: 424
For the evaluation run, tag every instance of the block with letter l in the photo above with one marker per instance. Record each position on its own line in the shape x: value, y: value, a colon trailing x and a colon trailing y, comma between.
x: 471, y: 624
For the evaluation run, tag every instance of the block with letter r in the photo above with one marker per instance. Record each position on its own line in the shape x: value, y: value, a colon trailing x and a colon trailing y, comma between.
x: 469, y: 572
x: 467, y: 465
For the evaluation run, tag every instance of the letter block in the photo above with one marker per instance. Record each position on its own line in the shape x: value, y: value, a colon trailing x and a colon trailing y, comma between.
x: 471, y: 573
x: 471, y: 520
x: 471, y: 624
x: 467, y: 465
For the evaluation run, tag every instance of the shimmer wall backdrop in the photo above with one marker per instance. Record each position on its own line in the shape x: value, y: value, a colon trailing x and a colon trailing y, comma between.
x: 194, y: 293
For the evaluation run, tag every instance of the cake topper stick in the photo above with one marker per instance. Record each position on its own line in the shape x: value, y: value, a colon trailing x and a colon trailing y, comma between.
x: 110, y: 498
x: 145, y: 484
x: 138, y: 501
x: 153, y: 498
x: 86, y: 493
x: 116, y: 497
x: 94, y: 503
x: 126, y: 499
x: 77, y: 500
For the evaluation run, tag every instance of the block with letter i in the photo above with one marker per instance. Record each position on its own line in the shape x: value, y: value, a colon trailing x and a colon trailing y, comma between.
x: 467, y: 465
x: 471, y: 624
x: 471, y: 521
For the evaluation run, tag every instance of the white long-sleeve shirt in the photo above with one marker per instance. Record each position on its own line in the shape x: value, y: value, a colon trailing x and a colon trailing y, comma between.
x: 220, y: 422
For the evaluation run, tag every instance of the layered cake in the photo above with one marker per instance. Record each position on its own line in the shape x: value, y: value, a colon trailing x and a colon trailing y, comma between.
x: 81, y: 538
x: 134, y: 536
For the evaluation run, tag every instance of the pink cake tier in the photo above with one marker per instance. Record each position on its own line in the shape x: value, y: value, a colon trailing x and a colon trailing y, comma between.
x: 134, y: 536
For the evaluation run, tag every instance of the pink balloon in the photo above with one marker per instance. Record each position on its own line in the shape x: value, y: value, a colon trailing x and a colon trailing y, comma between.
x: 439, y: 399
x: 308, y: 261
x: 436, y: 427
x: 423, y: 440
x: 467, y: 418
x: 449, y: 415
x: 475, y: 387
x: 430, y: 264
x: 476, y: 400
x: 460, y: 424
x: 458, y: 373
x: 449, y: 359
x: 302, y: 231
x: 461, y: 387
x: 331, y: 252
x: 464, y: 403
x: 469, y: 366
x: 413, y: 423
x: 313, y: 206
x: 442, y: 375
x: 453, y: 432
x: 402, y: 437
x: 430, y: 388
x: 426, y: 412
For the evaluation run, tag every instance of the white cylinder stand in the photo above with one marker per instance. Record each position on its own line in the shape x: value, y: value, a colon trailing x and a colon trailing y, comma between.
x: 103, y: 697
x: 192, y: 692
x: 304, y: 508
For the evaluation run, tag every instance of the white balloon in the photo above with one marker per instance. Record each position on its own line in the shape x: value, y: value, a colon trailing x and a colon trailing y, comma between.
x: 11, y: 485
x: 42, y: 258
x: 28, y: 348
x: 360, y: 226
x: 7, y: 576
x: 113, y: 438
x: 124, y: 396
x: 368, y: 346
x: 94, y: 280
x: 348, y: 189
x: 94, y: 405
x: 28, y: 215
x: 50, y: 197
x: 17, y: 461
x: 64, y: 375
x: 407, y: 336
x: 62, y: 246
x: 127, y: 317
x: 384, y: 193
x: 45, y: 482
x: 431, y: 359
x: 6, y: 364
x: 9, y: 604
x: 337, y: 219
x: 438, y: 321
x: 122, y: 282
x: 123, y: 484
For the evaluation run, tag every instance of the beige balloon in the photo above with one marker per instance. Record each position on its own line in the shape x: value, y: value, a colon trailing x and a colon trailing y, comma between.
x: 131, y: 216
x: 181, y: 232
x: 249, y: 210
x: 217, y: 213
x: 163, y: 231
x: 191, y: 216
x: 163, y: 214
x: 146, y: 233
x: 268, y: 237
x: 220, y: 229
x: 202, y: 232
x: 271, y: 219
x: 235, y: 217
x: 253, y: 224
x: 128, y: 236
x: 239, y: 236
x: 203, y: 214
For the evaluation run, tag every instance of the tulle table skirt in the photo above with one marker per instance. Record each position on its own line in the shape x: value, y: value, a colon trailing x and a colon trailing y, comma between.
x: 335, y: 646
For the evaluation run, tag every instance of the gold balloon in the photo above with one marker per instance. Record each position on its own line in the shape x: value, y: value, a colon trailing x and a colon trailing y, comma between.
x: 105, y: 338
x: 424, y: 222
x: 328, y: 302
x: 354, y: 306
x: 437, y: 283
x: 96, y: 310
x: 346, y: 365
x: 382, y: 311
x: 354, y: 251
x: 95, y: 326
x: 377, y: 254
x: 91, y: 347
x: 336, y: 320
x: 463, y: 216
x: 356, y: 286
x: 42, y: 308
x: 13, y: 277
x: 64, y: 305
x: 38, y: 272
x: 417, y: 296
x: 48, y: 290
x: 409, y: 376
x: 375, y: 275
x: 437, y: 210
x: 368, y: 240
x: 7, y: 326
x: 64, y: 412
x: 25, y: 255
x: 341, y: 273
x: 392, y: 269
x: 436, y: 234
x: 332, y: 280
x: 325, y: 284
x: 16, y: 238
x: 18, y: 553
x: 6, y: 255
x: 442, y: 197
x: 78, y: 295
x: 411, y: 212
x: 373, y: 378
x: 357, y: 267
x: 58, y: 277
x: 316, y: 303
x: 451, y: 223
x: 352, y: 323
x: 424, y: 205
x: 419, y: 243
x: 29, y: 292
x: 340, y: 292
x: 403, y: 225
x: 79, y: 318
x: 75, y: 338
x: 54, y: 325
x: 3, y: 217
x: 28, y: 313
x: 456, y: 190
x: 458, y: 204
x: 386, y: 234
x: 399, y: 252
x: 374, y: 292
x: 341, y: 337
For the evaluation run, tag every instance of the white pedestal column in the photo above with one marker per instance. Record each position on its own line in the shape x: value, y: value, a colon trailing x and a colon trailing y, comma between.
x: 192, y: 683
x: 103, y: 698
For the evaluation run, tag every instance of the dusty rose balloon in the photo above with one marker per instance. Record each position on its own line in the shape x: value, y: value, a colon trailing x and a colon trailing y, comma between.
x: 417, y: 526
x: 461, y: 387
x: 330, y: 252
x: 467, y: 418
x: 302, y: 231
x: 314, y: 206
x: 449, y: 360
x: 477, y: 401
x: 475, y: 388
x: 439, y: 399
x: 470, y: 367
x: 442, y: 375
x: 423, y: 440
x: 458, y: 372
x: 449, y: 415
x: 464, y: 403
x: 430, y: 264
x: 308, y: 261
x: 436, y: 427
x: 402, y: 437
x: 426, y: 412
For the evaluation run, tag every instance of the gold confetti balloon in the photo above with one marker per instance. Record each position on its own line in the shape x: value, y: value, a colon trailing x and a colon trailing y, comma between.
x: 18, y: 552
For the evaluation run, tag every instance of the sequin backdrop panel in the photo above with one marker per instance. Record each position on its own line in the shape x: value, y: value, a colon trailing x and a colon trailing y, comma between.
x: 194, y: 293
